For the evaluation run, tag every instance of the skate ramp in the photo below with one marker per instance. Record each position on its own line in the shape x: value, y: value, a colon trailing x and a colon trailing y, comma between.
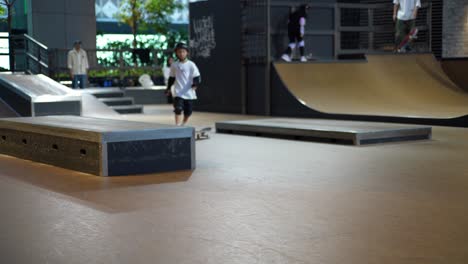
x: 38, y: 95
x: 92, y: 107
x: 6, y: 110
x: 406, y: 86
x: 456, y: 70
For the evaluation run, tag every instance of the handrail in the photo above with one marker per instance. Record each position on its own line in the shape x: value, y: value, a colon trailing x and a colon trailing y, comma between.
x: 116, y: 50
x: 371, y: 6
x: 117, y: 60
x: 26, y: 36
x: 333, y: 5
x: 41, y: 59
x: 37, y: 60
x: 38, y: 56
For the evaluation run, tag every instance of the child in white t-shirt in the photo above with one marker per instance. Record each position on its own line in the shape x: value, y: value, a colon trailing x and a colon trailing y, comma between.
x: 185, y: 77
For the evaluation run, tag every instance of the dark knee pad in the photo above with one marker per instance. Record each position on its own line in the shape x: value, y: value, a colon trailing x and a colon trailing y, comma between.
x: 188, y: 112
x: 188, y: 106
x: 178, y: 110
x: 178, y: 105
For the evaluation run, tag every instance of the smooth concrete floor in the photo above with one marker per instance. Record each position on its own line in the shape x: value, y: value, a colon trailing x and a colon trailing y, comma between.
x: 250, y: 200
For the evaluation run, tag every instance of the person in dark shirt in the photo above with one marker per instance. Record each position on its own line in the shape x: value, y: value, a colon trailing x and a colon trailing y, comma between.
x: 296, y: 30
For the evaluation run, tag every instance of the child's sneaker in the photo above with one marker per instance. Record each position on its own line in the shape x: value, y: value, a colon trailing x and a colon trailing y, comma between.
x: 303, y: 59
x: 286, y: 57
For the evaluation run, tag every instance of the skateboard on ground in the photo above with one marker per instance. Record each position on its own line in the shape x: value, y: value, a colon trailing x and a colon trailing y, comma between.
x: 310, y: 57
x: 404, y: 45
x: 202, y: 133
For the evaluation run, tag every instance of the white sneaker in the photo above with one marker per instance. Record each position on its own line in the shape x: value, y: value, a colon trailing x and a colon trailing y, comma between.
x: 303, y: 59
x: 286, y: 57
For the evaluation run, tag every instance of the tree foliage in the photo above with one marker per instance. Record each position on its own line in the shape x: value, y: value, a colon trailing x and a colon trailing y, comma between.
x: 142, y: 14
x: 5, y: 5
x: 162, y: 43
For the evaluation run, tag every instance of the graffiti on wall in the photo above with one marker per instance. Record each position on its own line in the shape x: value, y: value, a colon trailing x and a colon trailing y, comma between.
x: 203, y: 37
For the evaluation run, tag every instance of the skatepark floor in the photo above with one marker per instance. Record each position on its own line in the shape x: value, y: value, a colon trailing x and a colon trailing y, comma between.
x: 250, y: 200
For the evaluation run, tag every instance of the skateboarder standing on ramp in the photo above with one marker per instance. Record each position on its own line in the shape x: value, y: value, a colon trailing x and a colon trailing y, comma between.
x: 404, y: 16
x: 296, y: 30
x: 185, y: 77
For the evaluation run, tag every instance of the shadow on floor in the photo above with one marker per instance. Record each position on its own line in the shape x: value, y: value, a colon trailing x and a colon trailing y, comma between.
x: 108, y: 194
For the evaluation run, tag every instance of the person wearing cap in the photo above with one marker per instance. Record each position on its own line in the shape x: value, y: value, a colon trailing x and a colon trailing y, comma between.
x: 296, y: 30
x: 185, y: 77
x: 77, y: 62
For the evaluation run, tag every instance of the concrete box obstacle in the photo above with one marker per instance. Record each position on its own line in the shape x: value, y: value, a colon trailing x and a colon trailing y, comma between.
x: 331, y: 131
x: 102, y: 147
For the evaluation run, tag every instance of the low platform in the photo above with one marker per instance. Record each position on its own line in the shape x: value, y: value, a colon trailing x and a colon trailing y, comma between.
x: 342, y: 132
x: 153, y: 95
x: 104, y: 92
x: 114, y: 101
x: 128, y: 109
x: 99, y: 146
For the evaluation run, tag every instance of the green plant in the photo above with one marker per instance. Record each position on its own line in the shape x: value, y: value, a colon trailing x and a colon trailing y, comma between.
x: 7, y: 6
x: 159, y: 45
x: 147, y: 13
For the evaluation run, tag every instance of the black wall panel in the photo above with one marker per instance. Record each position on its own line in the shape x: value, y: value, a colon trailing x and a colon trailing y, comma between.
x: 221, y: 68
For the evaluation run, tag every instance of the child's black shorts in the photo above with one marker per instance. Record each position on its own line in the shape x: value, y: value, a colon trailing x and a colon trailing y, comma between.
x: 294, y: 34
x: 183, y: 105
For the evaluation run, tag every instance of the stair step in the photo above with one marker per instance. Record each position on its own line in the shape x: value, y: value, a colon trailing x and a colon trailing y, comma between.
x: 116, y: 101
x: 128, y: 109
x: 105, y: 92
x: 109, y: 94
